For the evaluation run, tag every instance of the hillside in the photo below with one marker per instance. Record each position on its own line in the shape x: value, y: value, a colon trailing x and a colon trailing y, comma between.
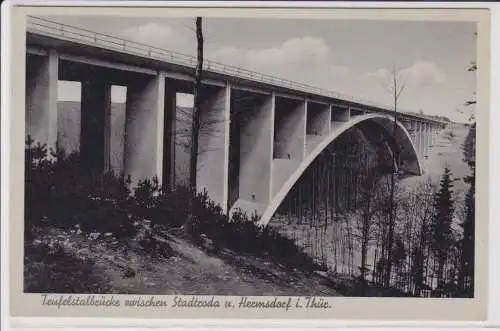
x: 183, y: 268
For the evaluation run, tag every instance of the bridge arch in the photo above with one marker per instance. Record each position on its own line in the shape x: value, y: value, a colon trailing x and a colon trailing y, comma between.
x: 410, y: 162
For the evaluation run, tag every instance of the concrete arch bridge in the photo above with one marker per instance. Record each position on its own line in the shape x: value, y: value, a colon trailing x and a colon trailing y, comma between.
x: 259, y: 136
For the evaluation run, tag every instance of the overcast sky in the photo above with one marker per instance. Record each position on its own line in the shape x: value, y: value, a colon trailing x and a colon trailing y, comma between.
x: 346, y: 56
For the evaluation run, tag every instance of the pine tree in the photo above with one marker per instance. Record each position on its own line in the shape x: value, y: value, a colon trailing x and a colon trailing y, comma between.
x: 442, y: 236
x: 467, y: 245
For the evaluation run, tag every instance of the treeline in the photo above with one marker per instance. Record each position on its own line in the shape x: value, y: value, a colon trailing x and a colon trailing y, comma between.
x: 417, y: 241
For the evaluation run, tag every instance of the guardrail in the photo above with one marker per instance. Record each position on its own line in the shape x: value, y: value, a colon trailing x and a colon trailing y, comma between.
x: 49, y: 28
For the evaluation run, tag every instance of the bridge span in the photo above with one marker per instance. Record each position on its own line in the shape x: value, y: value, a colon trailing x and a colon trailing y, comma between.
x: 259, y: 133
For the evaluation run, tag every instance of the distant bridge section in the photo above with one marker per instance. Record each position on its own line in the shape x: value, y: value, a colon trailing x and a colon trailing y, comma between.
x: 259, y: 132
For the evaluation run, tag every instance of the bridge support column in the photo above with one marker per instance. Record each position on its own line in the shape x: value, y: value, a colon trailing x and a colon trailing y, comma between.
x: 169, y: 172
x: 213, y: 149
x: 420, y: 141
x: 431, y: 135
x: 318, y: 124
x: 318, y: 119
x: 95, y: 132
x: 412, y: 131
x: 143, y: 155
x: 289, y: 139
x: 339, y: 115
x: 289, y: 129
x: 426, y: 145
x: 256, y: 153
x: 431, y: 130
x: 41, y: 98
x: 416, y: 142
x: 427, y: 138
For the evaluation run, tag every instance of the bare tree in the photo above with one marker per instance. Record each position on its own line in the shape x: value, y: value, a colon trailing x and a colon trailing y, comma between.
x: 195, y: 124
x: 397, y: 86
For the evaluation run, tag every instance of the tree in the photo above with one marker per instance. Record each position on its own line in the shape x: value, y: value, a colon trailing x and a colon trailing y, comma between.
x: 467, y: 244
x: 370, y: 194
x: 466, y: 277
x: 195, y: 124
x: 442, y: 235
x: 396, y: 88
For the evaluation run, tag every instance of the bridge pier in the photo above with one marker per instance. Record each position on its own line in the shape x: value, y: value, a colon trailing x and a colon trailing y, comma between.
x: 318, y: 124
x: 41, y: 98
x: 170, y: 127
x: 143, y: 150
x: 318, y: 118
x: 431, y: 136
x: 339, y: 115
x: 427, y: 138
x: 95, y: 126
x: 213, y: 149
x: 255, y: 154
x: 412, y: 131
x: 417, y: 138
x: 289, y: 139
x: 422, y: 139
x: 289, y: 129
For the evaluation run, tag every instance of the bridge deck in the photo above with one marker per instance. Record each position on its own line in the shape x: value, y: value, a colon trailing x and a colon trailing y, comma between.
x: 48, y: 34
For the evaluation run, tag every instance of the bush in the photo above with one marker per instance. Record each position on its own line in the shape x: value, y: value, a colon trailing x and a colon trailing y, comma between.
x: 60, y: 190
x: 242, y: 233
x: 49, y: 269
x: 165, y: 207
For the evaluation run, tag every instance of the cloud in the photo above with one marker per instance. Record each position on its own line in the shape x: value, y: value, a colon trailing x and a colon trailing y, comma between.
x: 231, y: 56
x: 381, y: 75
x: 306, y: 60
x: 150, y: 33
x: 161, y: 36
x: 424, y: 73
x: 419, y: 74
x: 309, y: 60
x: 307, y: 53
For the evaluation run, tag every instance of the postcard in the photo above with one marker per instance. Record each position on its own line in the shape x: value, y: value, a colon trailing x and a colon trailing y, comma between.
x: 192, y: 161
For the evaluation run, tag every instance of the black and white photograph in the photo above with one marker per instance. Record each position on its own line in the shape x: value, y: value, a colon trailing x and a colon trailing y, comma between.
x: 250, y: 156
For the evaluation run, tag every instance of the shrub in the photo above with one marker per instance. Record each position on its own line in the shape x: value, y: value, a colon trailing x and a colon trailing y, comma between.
x: 49, y: 269
x: 165, y: 207
x: 242, y: 233
x: 60, y: 190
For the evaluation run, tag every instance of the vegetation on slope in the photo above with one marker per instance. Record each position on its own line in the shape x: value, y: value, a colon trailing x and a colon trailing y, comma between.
x: 61, y: 193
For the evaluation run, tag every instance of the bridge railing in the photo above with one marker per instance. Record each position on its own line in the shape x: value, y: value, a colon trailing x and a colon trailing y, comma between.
x: 67, y: 32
